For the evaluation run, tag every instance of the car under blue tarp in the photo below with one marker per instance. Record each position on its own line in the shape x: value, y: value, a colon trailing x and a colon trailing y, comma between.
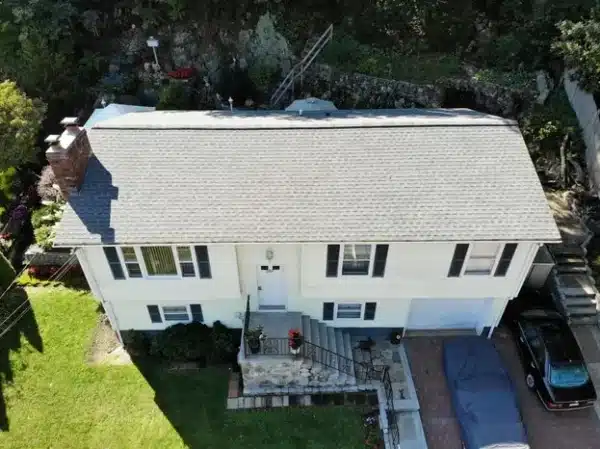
x: 483, y: 395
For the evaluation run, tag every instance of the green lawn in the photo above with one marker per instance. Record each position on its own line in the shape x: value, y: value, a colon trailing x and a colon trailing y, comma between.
x: 56, y: 401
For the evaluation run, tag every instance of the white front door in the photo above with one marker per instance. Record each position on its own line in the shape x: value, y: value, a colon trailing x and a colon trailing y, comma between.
x: 272, y: 294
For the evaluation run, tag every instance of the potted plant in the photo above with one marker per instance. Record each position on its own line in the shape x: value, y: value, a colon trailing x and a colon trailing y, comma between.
x: 295, y: 340
x: 254, y: 337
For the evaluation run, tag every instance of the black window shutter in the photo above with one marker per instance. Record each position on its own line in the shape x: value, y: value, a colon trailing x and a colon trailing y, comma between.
x: 458, y: 260
x: 370, y: 308
x: 327, y: 311
x: 381, y: 252
x: 505, y: 259
x: 203, y: 262
x: 197, y: 312
x: 333, y: 258
x: 154, y: 314
x: 113, y: 262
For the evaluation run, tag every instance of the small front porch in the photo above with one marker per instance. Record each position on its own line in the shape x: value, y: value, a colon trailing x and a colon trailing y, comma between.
x: 339, y: 364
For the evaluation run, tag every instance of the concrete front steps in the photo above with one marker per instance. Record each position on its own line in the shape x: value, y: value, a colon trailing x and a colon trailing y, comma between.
x: 335, y: 342
x: 573, y: 286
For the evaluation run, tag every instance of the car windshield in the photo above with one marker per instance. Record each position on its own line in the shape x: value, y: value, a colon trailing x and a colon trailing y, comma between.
x: 568, y: 376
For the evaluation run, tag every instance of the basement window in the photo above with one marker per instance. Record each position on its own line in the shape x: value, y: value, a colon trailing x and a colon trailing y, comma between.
x: 349, y: 311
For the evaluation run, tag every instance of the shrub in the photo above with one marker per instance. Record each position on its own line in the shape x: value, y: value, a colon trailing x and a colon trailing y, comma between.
x: 175, y: 96
x: 136, y: 342
x: 186, y: 342
x: 224, y: 349
x: 7, y: 273
x: 46, y: 185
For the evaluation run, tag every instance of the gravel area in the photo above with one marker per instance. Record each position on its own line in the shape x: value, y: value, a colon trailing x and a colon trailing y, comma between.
x: 104, y: 342
x: 567, y: 430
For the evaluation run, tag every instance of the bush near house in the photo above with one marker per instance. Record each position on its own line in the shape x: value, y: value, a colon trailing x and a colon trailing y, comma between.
x: 195, y: 342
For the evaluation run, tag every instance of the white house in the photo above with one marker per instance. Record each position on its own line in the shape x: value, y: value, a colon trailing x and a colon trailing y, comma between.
x: 386, y: 219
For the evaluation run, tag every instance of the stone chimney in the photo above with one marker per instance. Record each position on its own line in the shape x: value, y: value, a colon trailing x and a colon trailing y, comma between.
x: 68, y: 156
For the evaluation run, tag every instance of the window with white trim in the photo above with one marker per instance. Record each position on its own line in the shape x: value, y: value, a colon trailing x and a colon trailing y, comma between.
x: 186, y: 262
x: 349, y: 311
x: 159, y: 260
x: 131, y: 262
x: 482, y: 258
x: 175, y: 313
x: 356, y: 260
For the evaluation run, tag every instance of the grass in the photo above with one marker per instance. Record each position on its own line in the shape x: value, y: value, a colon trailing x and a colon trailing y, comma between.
x: 55, y: 400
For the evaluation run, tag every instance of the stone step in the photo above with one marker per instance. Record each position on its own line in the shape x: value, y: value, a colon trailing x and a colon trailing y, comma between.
x: 566, y: 250
x: 572, y: 269
x: 576, y: 285
x: 333, y: 347
x: 323, y: 336
x: 574, y: 301
x: 306, y: 328
x: 570, y: 260
x: 314, y: 332
x: 349, y: 354
x: 589, y: 310
x: 584, y: 320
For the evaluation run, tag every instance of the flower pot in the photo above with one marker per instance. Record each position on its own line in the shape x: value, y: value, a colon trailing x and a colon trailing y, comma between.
x: 295, y: 351
x: 254, y: 346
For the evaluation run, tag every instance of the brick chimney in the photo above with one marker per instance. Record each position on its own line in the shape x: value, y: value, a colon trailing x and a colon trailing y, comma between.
x: 68, y: 156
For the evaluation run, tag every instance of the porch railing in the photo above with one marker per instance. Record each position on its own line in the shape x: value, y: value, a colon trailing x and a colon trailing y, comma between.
x: 393, y: 430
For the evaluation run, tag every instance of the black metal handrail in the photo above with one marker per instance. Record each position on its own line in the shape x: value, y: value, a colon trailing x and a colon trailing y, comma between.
x: 393, y: 430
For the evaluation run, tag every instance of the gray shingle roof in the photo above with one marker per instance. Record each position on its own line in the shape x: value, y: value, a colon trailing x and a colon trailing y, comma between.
x: 414, y: 175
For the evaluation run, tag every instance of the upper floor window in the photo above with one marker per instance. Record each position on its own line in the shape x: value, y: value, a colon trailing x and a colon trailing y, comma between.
x: 481, y: 258
x: 356, y: 260
x: 131, y: 262
x: 157, y: 261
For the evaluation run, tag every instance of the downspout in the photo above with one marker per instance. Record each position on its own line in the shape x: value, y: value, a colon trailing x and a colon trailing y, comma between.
x: 95, y: 287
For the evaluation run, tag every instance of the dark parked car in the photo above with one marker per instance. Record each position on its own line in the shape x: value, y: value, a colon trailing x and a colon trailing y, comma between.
x: 483, y: 395
x: 554, y: 366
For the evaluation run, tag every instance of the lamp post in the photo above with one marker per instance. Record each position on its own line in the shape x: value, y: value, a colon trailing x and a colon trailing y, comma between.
x: 153, y: 43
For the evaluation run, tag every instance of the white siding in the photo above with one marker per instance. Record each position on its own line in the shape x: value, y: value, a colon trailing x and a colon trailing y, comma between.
x: 220, y: 296
x: 414, y: 271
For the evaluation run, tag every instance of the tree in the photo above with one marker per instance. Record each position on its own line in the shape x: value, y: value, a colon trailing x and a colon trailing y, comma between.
x: 20, y: 119
x: 579, y: 45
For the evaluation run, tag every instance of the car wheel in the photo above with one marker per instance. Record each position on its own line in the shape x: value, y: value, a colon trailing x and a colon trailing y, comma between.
x: 529, y: 380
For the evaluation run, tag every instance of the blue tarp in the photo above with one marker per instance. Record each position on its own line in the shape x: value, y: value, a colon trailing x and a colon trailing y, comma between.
x: 483, y: 395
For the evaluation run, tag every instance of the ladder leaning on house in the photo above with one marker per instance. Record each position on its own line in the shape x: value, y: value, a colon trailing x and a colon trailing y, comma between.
x: 308, y: 56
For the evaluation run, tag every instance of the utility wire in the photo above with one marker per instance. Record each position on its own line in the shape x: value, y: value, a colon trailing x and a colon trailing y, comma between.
x: 27, y: 304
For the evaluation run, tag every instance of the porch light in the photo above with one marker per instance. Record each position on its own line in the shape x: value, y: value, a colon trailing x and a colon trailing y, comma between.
x: 269, y: 254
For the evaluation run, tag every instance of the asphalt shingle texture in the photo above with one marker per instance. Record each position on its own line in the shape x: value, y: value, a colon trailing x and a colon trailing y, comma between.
x: 395, y: 183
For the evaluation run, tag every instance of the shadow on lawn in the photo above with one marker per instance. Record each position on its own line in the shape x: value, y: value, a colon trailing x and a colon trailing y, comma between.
x: 14, y: 302
x: 191, y: 399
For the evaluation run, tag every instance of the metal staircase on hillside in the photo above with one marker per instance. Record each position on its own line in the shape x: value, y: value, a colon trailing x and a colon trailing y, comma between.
x: 312, y: 49
x: 572, y: 285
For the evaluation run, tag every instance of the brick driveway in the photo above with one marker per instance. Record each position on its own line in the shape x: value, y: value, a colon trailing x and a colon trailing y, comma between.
x: 567, y: 430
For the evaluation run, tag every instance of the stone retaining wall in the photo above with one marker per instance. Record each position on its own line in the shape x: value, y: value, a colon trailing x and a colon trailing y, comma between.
x: 265, y: 372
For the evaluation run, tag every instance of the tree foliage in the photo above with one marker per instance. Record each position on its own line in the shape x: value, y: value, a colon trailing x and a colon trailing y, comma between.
x: 20, y: 119
x: 579, y: 45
